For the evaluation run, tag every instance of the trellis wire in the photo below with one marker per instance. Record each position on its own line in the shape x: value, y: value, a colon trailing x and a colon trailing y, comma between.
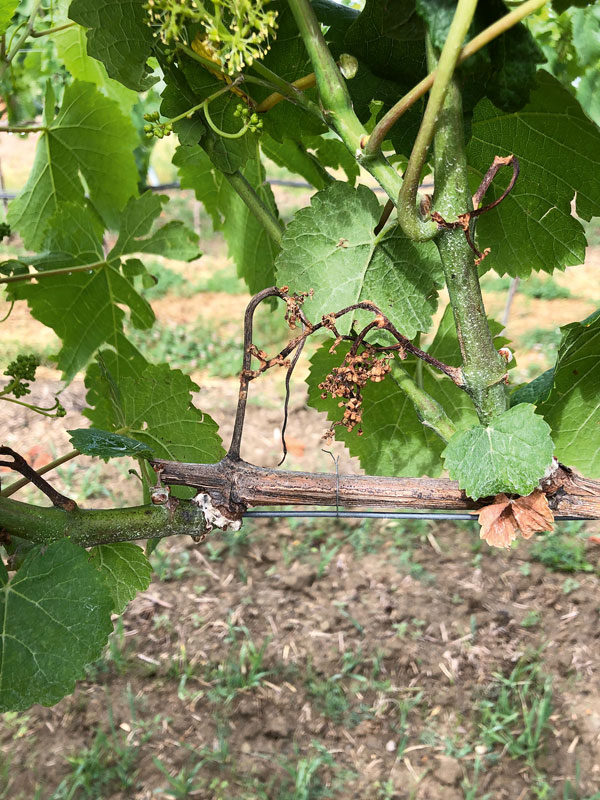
x: 334, y: 514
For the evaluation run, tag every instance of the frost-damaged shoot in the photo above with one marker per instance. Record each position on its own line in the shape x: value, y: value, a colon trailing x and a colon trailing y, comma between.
x: 350, y: 100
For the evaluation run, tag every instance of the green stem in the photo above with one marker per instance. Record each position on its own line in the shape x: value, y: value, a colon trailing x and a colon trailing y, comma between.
x: 88, y: 527
x: 287, y: 89
x: 22, y: 129
x: 336, y: 101
x: 46, y: 412
x: 413, y: 225
x: 50, y: 31
x: 381, y: 130
x: 256, y: 205
x: 14, y: 487
x: 429, y: 411
x: 27, y: 276
x: 483, y: 369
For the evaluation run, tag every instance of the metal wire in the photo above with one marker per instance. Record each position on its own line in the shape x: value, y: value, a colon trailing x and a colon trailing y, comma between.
x: 335, y: 514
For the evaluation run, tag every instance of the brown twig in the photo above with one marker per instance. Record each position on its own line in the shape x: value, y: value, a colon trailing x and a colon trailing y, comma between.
x: 20, y: 465
x: 293, y: 314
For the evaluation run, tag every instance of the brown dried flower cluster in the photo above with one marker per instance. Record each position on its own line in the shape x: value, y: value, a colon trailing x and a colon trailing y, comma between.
x: 294, y: 303
x: 347, y: 382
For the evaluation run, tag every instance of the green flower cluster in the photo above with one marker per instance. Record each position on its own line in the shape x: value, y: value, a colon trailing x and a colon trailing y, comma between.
x: 252, y: 122
x: 238, y: 31
x: 21, y: 370
x: 155, y: 128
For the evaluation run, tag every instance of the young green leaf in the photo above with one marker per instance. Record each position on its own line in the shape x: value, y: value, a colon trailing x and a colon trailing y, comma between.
x: 558, y: 149
x: 105, y: 444
x: 394, y: 440
x: 120, y: 37
x: 125, y: 569
x: 573, y: 406
x: 510, y: 455
x: 90, y: 139
x: 330, y: 247
x: 55, y: 614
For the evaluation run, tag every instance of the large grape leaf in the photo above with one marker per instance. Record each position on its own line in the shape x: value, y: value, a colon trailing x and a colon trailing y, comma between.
x: 120, y: 37
x: 573, y: 407
x: 156, y: 411
x: 55, y: 614
x: 90, y: 139
x: 7, y: 9
x: 251, y: 248
x: 330, y: 247
x: 125, y: 568
x: 83, y: 308
x: 71, y: 47
x: 559, y: 152
x: 394, y: 441
x: 173, y: 240
x: 510, y: 455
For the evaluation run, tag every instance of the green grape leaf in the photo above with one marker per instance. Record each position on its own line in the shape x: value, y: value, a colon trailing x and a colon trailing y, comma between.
x: 90, y: 139
x: 535, y: 391
x: 104, y: 444
x: 173, y: 240
x: 510, y: 455
x: 586, y: 35
x: 120, y: 37
x: 505, y: 70
x: 394, y: 441
x: 157, y: 411
x: 250, y: 247
x: 533, y: 228
x: 83, y: 308
x: 588, y: 93
x: 71, y: 47
x: 55, y: 614
x: 573, y: 406
x: 334, y: 153
x: 7, y: 10
x: 562, y: 5
x: 330, y: 247
x: 125, y: 569
x: 294, y: 156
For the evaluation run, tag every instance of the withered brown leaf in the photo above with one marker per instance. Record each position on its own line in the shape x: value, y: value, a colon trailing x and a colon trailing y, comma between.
x: 533, y: 514
x: 504, y: 518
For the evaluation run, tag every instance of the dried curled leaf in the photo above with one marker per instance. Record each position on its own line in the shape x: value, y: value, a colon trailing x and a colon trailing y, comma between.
x: 504, y: 518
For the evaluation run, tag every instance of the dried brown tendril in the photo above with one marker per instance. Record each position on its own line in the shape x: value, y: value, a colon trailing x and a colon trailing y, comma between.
x: 347, y: 382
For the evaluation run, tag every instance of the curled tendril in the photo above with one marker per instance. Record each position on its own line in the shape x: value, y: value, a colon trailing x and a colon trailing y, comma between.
x: 249, y: 123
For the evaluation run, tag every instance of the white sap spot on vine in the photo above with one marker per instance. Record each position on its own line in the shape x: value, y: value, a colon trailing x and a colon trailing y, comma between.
x: 213, y: 516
